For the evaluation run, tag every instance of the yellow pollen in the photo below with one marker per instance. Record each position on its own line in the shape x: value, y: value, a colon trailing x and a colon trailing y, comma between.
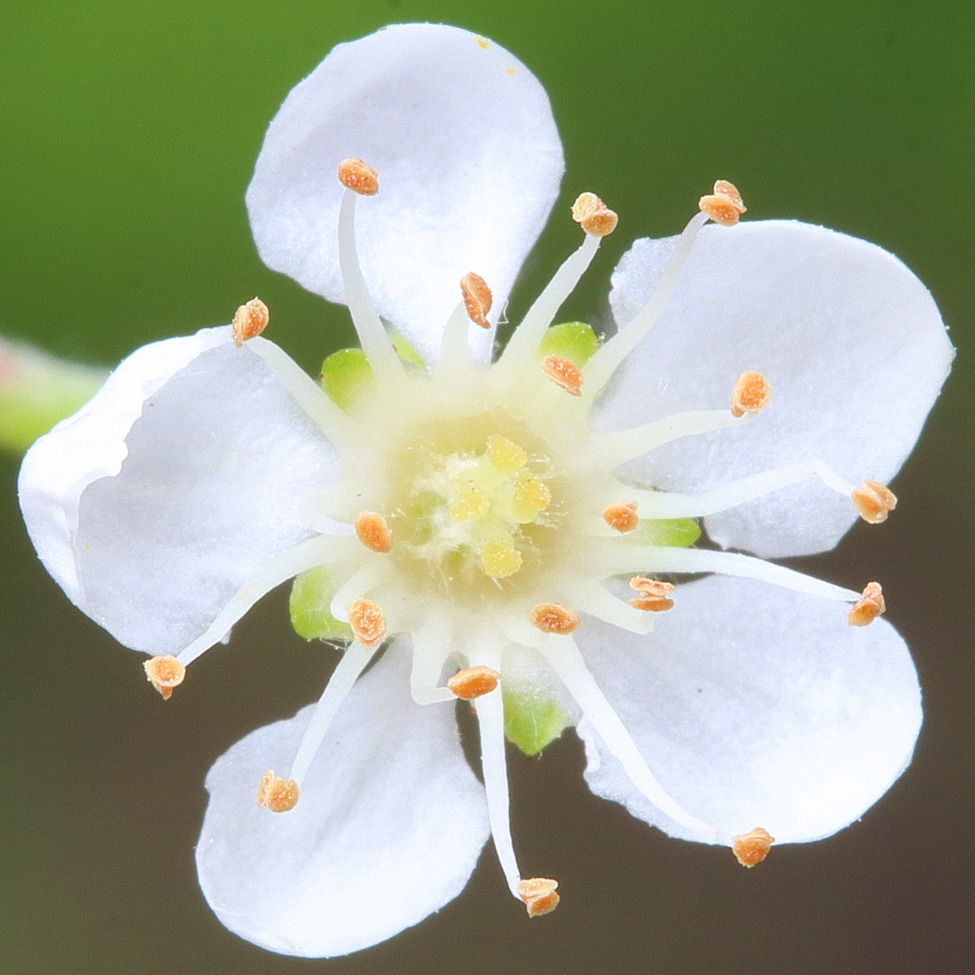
x: 164, y: 673
x: 529, y: 498
x: 539, y: 895
x: 621, y: 516
x: 505, y: 455
x: 554, y: 618
x: 483, y: 43
x: 751, y: 394
x: 472, y: 505
x: 563, y: 373
x: 500, y: 559
x: 249, y: 321
x: 367, y: 622
x: 654, y: 595
x: 278, y: 795
x: 477, y: 298
x: 593, y: 215
x: 473, y: 682
x: 869, y: 606
x: 725, y: 205
x: 874, y: 501
x: 359, y: 177
x: 372, y: 530
x: 752, y: 847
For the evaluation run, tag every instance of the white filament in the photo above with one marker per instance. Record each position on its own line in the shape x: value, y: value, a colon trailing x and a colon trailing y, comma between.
x: 454, y: 354
x: 430, y: 652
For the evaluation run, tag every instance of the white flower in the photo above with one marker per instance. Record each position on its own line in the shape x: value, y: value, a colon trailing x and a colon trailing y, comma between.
x: 483, y: 516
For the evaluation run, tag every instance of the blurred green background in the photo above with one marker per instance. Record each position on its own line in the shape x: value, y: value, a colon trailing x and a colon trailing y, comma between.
x: 130, y: 130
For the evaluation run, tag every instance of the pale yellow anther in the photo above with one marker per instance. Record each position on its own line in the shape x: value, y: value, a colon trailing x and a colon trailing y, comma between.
x: 593, y: 215
x: 874, y: 501
x: 621, y: 516
x: 869, y: 606
x: 473, y: 682
x: 278, y: 795
x: 752, y: 847
x: 500, y: 559
x: 539, y: 895
x: 164, y: 673
x: 505, y: 455
x: 359, y: 177
x: 563, y: 373
x: 554, y: 618
x: 249, y: 321
x: 724, y: 205
x: 529, y: 497
x: 472, y: 505
x: 373, y: 531
x: 477, y: 298
x: 654, y: 595
x: 367, y: 621
x: 750, y: 394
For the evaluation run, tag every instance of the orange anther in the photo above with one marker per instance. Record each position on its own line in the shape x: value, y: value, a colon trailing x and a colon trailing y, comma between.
x: 372, y: 530
x: 278, y: 795
x: 477, y: 298
x: 725, y: 205
x: 563, y: 373
x: 539, y: 895
x: 874, y: 501
x: 654, y: 594
x: 473, y: 682
x: 249, y: 321
x: 621, y: 515
x: 593, y: 215
x: 164, y: 673
x: 752, y: 847
x: 367, y: 622
x: 554, y: 618
x: 751, y: 394
x: 869, y: 606
x: 359, y: 177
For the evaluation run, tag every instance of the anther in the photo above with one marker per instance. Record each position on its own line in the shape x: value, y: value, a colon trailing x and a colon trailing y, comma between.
x: 869, y: 606
x: 249, y: 321
x: 752, y: 847
x: 473, y: 682
x: 367, y: 622
x: 654, y: 595
x: 595, y: 218
x: 725, y: 205
x: 563, y: 373
x: 477, y: 298
x: 278, y: 795
x: 164, y: 673
x: 554, y: 618
x: 621, y: 516
x: 751, y: 394
x: 372, y: 530
x: 359, y: 177
x: 874, y: 501
x: 539, y: 895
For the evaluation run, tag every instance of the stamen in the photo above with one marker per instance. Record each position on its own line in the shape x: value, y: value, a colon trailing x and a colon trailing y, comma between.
x: 874, y: 501
x: 751, y: 394
x: 593, y: 215
x: 367, y: 621
x: 431, y: 648
x: 164, y: 673
x: 725, y: 205
x: 563, y: 373
x: 539, y: 895
x: 752, y: 847
x: 869, y: 606
x: 373, y: 531
x: 554, y: 618
x: 359, y: 177
x: 500, y: 559
x: 621, y: 516
x: 278, y: 795
x: 653, y: 596
x: 249, y: 321
x: 477, y: 298
x: 473, y: 682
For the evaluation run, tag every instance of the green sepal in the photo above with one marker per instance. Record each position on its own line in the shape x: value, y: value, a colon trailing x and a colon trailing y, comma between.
x: 345, y: 374
x: 532, y: 719
x: 574, y: 341
x: 311, y: 597
x: 673, y: 532
x: 405, y: 350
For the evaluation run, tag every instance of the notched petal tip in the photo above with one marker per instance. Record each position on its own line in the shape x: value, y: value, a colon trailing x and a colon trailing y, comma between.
x: 869, y: 606
x: 473, y: 682
x: 358, y: 176
x: 477, y: 298
x: 249, y: 321
x: 277, y: 794
x: 595, y: 218
x: 752, y: 848
x: 874, y: 501
x: 164, y: 673
x: 539, y: 895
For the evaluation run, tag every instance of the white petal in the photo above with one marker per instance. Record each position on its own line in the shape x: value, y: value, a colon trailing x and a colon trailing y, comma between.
x: 388, y: 827
x: 755, y: 706
x: 158, y: 499
x: 849, y: 339
x: 469, y: 164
